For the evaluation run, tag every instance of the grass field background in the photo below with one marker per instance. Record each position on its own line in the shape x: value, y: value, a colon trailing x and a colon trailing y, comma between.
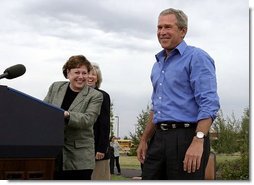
x: 131, y: 162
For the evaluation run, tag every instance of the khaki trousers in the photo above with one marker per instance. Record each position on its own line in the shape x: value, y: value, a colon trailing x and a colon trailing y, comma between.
x: 101, y: 170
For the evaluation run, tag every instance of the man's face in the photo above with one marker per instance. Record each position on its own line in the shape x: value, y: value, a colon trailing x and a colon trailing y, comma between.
x: 168, y: 33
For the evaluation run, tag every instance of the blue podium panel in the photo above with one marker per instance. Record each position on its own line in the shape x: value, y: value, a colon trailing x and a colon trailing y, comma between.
x: 28, y: 126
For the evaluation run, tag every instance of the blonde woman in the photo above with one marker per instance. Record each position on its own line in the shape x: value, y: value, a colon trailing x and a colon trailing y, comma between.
x: 101, y: 128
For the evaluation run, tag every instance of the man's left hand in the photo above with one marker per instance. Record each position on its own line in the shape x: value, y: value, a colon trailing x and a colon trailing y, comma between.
x: 193, y: 155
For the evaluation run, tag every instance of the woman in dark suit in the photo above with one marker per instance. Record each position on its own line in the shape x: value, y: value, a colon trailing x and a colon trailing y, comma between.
x: 101, y: 128
x: 82, y: 106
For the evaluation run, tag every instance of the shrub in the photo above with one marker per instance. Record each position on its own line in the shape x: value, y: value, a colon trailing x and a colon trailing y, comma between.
x: 234, y: 170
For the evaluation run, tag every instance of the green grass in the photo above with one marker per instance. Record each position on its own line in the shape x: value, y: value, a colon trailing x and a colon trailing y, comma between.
x: 118, y: 177
x: 223, y: 157
x: 129, y: 162
x: 126, y: 162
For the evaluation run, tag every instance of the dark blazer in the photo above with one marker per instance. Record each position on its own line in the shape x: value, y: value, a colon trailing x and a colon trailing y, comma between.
x: 102, y: 126
x: 78, y: 151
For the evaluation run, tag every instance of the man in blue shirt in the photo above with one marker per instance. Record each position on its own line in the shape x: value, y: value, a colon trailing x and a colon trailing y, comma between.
x: 184, y: 105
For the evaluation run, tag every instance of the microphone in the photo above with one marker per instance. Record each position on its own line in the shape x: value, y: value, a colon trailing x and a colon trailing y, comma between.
x: 13, y: 71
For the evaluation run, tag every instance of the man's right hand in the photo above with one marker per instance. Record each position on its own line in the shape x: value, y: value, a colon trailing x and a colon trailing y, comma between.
x: 147, y: 134
x: 141, y: 151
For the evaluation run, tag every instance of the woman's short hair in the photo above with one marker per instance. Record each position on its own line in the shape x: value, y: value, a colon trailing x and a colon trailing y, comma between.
x: 75, y: 62
x: 96, y: 68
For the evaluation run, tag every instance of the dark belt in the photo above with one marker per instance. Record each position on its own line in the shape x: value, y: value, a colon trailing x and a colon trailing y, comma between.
x: 173, y: 125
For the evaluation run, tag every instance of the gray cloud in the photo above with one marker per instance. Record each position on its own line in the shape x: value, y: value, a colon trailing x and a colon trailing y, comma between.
x: 106, y: 16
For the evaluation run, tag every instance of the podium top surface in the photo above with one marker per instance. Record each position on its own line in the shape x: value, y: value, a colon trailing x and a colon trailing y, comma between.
x: 19, y: 93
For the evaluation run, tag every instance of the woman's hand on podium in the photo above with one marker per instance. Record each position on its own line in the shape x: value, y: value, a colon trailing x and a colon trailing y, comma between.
x: 66, y: 114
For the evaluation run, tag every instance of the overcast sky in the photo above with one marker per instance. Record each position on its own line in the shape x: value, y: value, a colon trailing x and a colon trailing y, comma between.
x: 120, y: 36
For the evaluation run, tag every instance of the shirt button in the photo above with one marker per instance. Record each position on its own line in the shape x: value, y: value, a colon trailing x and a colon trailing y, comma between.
x: 159, y: 112
x: 160, y: 83
x: 162, y: 71
x: 160, y: 98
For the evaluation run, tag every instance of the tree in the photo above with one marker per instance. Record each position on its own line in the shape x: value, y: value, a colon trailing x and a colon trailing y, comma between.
x: 244, y: 149
x: 142, y: 120
x: 244, y: 132
x: 238, y: 169
x: 227, y: 132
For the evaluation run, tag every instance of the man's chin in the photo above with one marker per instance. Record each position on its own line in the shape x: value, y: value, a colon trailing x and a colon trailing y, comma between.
x: 164, y: 45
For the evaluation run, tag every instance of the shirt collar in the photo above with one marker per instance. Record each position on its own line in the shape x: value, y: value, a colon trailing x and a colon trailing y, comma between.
x: 180, y: 48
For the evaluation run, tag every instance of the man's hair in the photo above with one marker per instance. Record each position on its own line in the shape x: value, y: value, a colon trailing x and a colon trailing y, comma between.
x: 181, y: 17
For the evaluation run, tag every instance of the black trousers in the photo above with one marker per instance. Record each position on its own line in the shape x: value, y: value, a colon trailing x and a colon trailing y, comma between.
x: 166, y: 152
x: 115, y: 161
x: 112, y: 164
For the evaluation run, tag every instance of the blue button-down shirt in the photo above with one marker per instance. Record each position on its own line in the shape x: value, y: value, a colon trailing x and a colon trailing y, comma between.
x: 184, y: 85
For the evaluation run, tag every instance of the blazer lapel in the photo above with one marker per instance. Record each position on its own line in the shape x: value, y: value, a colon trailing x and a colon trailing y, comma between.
x: 61, y: 93
x: 80, y: 97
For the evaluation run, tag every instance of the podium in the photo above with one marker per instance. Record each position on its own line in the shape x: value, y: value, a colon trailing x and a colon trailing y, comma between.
x: 31, y: 136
